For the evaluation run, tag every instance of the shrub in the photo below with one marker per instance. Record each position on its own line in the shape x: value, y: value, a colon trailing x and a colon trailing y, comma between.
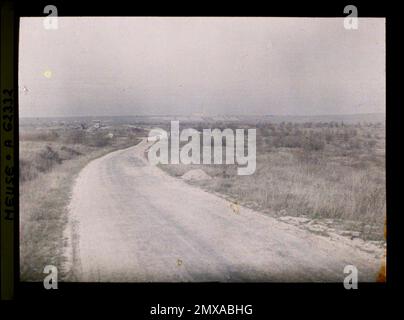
x: 98, y: 140
x: 313, y: 143
x: 47, y: 159
x: 75, y: 137
x: 354, y: 144
x: 28, y: 170
x: 371, y: 143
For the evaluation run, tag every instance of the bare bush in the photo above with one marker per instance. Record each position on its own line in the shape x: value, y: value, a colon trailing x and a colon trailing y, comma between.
x: 75, y: 137
x: 28, y: 171
x: 314, y: 143
x: 48, y: 158
x: 98, y: 140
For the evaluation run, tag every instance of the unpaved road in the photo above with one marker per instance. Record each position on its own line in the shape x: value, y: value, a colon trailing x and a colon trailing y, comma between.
x: 130, y: 221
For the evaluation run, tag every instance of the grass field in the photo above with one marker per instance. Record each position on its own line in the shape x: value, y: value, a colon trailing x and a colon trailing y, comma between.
x: 328, y: 171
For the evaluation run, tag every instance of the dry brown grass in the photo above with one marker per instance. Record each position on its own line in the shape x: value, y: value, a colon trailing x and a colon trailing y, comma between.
x: 322, y: 171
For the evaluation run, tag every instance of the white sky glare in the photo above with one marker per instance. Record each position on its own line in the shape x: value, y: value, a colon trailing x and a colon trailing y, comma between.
x: 183, y: 66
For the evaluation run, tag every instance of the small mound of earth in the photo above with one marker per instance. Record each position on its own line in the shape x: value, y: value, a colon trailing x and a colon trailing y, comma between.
x: 196, y: 174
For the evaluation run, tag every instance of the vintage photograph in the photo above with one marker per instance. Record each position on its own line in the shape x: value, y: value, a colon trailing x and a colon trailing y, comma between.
x: 200, y: 149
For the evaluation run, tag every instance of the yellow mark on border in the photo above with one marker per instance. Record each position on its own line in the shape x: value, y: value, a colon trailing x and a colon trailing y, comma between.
x: 381, y: 277
x: 47, y: 74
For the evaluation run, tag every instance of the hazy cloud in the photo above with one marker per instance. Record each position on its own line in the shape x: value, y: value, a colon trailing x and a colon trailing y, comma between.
x: 131, y: 66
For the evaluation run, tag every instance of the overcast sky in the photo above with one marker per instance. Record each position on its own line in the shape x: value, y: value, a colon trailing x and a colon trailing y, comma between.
x: 151, y: 66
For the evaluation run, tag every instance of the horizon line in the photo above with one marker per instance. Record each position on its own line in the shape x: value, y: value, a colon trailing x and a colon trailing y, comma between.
x: 216, y: 115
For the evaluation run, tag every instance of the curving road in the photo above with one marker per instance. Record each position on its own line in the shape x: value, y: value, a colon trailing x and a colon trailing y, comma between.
x: 130, y: 221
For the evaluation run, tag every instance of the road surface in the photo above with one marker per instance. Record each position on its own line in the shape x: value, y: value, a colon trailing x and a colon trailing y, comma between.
x: 132, y: 222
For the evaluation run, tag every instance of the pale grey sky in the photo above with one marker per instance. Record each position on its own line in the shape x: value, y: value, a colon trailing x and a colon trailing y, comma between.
x: 149, y: 66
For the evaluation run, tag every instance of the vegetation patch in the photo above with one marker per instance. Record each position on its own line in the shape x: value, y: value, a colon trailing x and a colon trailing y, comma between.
x: 325, y: 170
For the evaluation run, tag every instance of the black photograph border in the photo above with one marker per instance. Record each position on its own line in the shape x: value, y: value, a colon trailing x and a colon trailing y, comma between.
x: 148, y: 294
